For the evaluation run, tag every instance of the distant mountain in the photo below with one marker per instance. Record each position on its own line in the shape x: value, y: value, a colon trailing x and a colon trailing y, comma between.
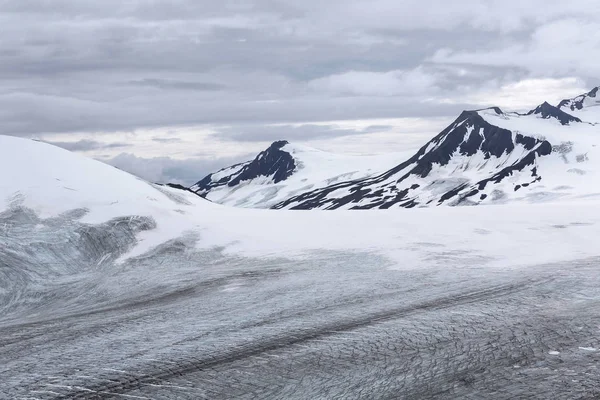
x: 463, y: 163
x: 546, y: 110
x: 274, y: 164
x: 284, y: 170
x: 583, y: 101
x: 484, y: 156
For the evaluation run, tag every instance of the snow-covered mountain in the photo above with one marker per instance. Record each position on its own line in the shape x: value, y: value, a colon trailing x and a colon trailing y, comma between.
x: 484, y: 156
x: 546, y: 110
x: 284, y: 170
x: 581, y: 102
x: 465, y: 162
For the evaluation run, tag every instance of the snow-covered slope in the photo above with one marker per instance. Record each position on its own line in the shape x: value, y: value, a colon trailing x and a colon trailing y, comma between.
x: 548, y: 111
x: 587, y: 100
x: 284, y: 170
x: 465, y: 162
x: 71, y: 222
x: 52, y: 182
x: 485, y: 156
x: 63, y: 189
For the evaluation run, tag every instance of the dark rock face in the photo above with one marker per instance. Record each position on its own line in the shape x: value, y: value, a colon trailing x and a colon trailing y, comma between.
x: 209, y: 182
x: 547, y: 110
x: 273, y: 162
x: 178, y: 186
x: 578, y: 102
x: 468, y: 135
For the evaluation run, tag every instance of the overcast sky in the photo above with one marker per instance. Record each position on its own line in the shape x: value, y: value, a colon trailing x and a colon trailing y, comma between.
x: 172, y: 89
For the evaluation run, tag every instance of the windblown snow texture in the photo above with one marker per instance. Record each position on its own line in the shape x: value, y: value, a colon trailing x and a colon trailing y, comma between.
x: 468, y: 136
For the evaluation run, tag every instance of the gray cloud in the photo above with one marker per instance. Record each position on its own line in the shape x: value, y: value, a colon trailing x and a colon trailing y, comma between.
x: 123, y: 65
x: 166, y: 139
x: 178, y: 85
x: 269, y: 133
x: 169, y: 170
x: 88, y: 145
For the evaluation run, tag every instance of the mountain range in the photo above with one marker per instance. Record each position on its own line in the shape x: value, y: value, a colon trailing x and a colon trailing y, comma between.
x: 484, y: 156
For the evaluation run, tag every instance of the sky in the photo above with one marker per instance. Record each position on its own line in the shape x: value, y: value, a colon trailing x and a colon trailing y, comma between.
x: 171, y: 90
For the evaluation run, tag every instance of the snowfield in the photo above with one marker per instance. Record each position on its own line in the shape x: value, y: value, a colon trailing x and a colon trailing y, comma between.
x: 111, y: 287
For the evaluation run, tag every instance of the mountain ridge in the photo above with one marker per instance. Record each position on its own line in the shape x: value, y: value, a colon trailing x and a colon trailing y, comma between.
x: 457, y: 137
x: 483, y: 156
x: 581, y: 101
x: 546, y: 110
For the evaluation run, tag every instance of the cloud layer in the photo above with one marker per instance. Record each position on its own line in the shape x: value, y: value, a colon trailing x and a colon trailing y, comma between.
x: 239, y: 67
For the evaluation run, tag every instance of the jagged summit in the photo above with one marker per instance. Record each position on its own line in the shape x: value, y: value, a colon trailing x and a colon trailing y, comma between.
x: 491, y: 140
x: 546, y: 110
x: 590, y: 98
x: 278, y: 144
x: 273, y: 163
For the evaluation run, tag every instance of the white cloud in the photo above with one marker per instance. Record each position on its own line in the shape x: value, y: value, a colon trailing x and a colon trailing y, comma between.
x: 523, y: 94
x: 86, y: 73
x: 563, y: 47
x: 169, y: 170
x: 367, y: 83
x: 489, y: 15
x: 399, y: 135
